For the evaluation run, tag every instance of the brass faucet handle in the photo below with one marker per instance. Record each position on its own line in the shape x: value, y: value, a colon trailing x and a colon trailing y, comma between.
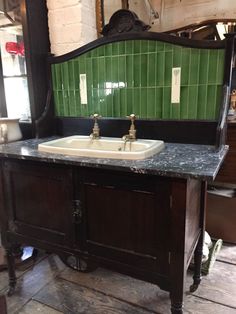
x: 96, y: 116
x: 132, y: 117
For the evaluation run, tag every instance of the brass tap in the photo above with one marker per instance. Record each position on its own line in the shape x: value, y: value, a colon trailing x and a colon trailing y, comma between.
x: 132, y: 131
x: 96, y: 131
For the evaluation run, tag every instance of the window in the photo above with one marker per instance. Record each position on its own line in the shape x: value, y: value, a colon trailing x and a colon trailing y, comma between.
x: 14, y: 74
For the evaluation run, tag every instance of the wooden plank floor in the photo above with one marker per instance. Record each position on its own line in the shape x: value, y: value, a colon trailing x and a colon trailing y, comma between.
x: 51, y: 288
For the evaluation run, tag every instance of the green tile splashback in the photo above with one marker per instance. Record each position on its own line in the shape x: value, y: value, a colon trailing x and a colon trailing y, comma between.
x: 134, y: 76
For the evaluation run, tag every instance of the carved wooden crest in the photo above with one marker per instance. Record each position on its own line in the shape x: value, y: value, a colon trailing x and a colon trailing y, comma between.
x: 123, y: 21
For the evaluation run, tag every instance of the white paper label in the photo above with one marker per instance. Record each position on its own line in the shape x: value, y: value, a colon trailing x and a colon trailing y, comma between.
x: 83, y: 89
x: 175, y: 86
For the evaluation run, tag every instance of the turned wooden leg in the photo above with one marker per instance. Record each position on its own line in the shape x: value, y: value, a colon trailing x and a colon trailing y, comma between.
x: 11, y: 270
x: 197, y: 277
x: 199, y: 249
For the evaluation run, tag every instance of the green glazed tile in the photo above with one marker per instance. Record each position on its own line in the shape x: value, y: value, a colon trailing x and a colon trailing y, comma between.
x: 89, y: 73
x: 109, y: 102
x: 166, y: 103
x: 116, y: 103
x: 168, y: 47
x: 89, y: 98
x: 137, y: 71
x: 95, y: 101
x: 151, y: 70
x: 129, y: 100
x: 108, y: 70
x: 168, y: 68
x: 115, y: 49
x: 204, y: 66
x: 122, y: 82
x: 157, y: 101
x: 151, y: 46
x: 73, y: 102
x: 211, y: 102
x: 144, y: 46
x: 60, y: 105
x: 66, y: 109
x: 160, y: 46
x: 87, y: 54
x: 123, y: 102
x: 192, y: 102
x: 108, y: 49
x: 78, y: 104
x: 151, y: 103
x: 102, y: 102
x: 185, y: 66
x: 143, y: 102
x: 177, y: 57
x: 95, y: 69
x: 137, y: 46
x: 129, y: 70
x: 65, y: 75
x: 100, y: 51
x: 143, y: 65
x: 129, y: 47
x: 202, y: 102
x: 213, y: 65
x: 101, y: 72
x: 122, y: 48
x: 77, y: 74
x: 94, y: 53
x: 160, y: 68
x: 115, y: 69
x: 194, y: 66
x: 137, y: 101
x: 82, y: 64
x: 122, y: 71
x: 184, y: 91
x: 56, y: 102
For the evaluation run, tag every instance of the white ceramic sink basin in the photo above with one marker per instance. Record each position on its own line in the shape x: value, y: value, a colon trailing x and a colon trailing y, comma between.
x: 104, y: 147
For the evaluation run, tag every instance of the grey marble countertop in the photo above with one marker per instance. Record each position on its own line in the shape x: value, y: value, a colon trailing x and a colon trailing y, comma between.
x: 176, y: 160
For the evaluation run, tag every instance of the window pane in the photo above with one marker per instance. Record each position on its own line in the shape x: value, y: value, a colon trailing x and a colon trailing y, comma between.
x: 17, y: 97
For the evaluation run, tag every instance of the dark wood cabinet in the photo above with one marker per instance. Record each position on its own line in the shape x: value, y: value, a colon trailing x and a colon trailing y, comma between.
x: 142, y: 225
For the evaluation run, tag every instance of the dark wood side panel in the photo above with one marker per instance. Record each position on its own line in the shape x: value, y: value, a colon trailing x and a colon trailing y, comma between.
x: 39, y: 200
x: 227, y: 173
x: 192, y: 227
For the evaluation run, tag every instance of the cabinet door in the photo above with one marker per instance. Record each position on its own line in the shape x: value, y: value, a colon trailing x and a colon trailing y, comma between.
x: 126, y: 218
x: 39, y: 200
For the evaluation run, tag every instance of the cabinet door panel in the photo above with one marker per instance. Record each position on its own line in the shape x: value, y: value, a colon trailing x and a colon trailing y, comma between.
x: 39, y: 200
x: 126, y: 223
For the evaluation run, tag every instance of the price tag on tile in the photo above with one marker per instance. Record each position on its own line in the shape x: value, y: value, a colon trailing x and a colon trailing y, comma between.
x: 175, y: 86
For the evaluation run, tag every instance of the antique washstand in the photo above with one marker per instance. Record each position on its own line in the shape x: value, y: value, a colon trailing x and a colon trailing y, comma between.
x: 143, y: 218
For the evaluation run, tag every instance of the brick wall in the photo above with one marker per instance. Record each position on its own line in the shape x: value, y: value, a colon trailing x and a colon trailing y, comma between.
x: 72, y: 23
